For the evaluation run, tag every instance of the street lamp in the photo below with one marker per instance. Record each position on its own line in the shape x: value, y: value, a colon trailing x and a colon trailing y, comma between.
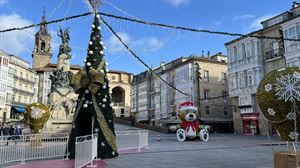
x: 198, y: 77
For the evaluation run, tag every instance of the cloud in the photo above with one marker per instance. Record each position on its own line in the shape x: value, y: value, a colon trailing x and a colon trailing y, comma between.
x: 16, y: 42
x: 256, y: 24
x: 114, y: 45
x: 216, y: 24
x: 177, y: 3
x: 243, y: 17
x: 2, y: 2
x: 144, y: 44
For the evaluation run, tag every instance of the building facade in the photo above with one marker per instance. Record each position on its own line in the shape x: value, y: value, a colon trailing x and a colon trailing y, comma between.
x: 245, y: 70
x: 154, y: 102
x: 4, y: 82
x: 251, y: 58
x: 119, y: 84
x: 24, y: 88
x: 18, y: 87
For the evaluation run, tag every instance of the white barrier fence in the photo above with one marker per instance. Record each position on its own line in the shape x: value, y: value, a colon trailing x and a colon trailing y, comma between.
x: 135, y: 139
x: 85, y: 150
x: 30, y: 147
x: 47, y: 146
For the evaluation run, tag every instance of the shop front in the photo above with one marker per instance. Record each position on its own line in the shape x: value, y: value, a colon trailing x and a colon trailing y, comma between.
x: 250, y: 123
x: 17, y: 112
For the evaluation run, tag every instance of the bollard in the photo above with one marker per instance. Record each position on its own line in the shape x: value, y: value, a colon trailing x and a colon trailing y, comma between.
x: 158, y: 138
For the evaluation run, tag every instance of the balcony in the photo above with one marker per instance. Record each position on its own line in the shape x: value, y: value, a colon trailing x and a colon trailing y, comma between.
x: 277, y: 53
x: 19, y: 103
x: 22, y: 91
x: 23, y: 79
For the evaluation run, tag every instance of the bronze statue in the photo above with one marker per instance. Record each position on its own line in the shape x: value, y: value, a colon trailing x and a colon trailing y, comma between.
x: 64, y: 48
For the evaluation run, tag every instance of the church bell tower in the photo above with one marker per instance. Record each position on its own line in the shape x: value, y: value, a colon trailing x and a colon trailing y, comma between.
x: 42, y: 53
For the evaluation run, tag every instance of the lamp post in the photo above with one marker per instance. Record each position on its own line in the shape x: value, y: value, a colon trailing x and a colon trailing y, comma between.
x: 198, y: 77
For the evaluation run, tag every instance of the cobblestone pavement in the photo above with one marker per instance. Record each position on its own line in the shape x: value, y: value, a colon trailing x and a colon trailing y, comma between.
x: 222, y: 150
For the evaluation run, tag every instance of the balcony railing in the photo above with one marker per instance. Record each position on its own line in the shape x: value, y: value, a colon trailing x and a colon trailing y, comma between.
x: 23, y: 79
x: 19, y: 103
x: 23, y: 91
x: 274, y: 53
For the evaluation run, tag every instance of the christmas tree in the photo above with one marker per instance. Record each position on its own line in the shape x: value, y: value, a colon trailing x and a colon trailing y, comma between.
x: 94, y: 100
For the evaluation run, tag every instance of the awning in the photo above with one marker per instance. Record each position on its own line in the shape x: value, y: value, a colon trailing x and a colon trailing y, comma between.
x: 245, y: 106
x: 250, y: 118
x: 18, y: 109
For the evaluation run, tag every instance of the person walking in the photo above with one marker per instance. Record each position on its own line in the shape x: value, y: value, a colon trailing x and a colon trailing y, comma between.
x: 6, y: 133
x: 18, y: 132
x: 11, y: 134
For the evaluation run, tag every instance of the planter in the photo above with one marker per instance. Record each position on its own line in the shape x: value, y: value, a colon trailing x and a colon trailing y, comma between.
x: 286, y: 159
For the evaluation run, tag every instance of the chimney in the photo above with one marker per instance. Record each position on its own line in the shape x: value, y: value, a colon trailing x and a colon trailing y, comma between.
x: 162, y: 63
x: 208, y: 54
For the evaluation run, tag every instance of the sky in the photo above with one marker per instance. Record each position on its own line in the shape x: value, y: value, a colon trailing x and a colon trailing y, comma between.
x: 151, y: 44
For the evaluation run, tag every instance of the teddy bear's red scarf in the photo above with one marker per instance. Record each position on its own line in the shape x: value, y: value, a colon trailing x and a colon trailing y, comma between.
x: 186, y: 124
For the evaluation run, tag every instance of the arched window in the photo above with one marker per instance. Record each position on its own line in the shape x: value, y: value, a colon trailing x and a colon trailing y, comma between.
x: 118, y: 96
x: 43, y: 45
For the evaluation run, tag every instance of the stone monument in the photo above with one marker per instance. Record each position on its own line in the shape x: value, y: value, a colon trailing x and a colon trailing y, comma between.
x: 62, y: 99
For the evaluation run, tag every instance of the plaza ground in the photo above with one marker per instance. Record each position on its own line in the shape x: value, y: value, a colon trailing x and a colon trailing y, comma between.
x: 222, y: 150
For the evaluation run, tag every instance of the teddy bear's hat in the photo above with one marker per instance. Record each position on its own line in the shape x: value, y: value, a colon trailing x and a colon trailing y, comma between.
x: 187, y: 106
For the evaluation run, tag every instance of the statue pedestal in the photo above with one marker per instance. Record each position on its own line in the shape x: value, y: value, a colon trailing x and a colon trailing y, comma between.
x: 58, y: 126
x: 62, y: 103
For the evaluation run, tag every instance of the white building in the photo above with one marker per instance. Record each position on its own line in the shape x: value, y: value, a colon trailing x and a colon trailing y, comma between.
x: 291, y: 29
x: 245, y: 70
x: 249, y: 60
x: 4, y: 64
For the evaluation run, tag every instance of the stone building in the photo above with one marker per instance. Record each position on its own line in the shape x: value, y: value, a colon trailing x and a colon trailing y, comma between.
x: 156, y: 103
x: 119, y: 84
x: 41, y: 64
x: 251, y: 58
x: 18, y: 84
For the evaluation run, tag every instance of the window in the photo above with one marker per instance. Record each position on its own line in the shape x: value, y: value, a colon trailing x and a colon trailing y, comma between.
x: 20, y: 98
x: 248, y: 49
x: 206, y: 76
x: 275, y: 48
x: 224, y: 76
x: 242, y: 80
x: 250, y: 78
x: 113, y: 78
x: 207, y: 112
x: 21, y: 74
x: 225, y: 111
x: 243, y: 51
x: 291, y: 33
x: 224, y: 95
x: 239, y: 53
x: 206, y: 94
x: 234, y: 53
